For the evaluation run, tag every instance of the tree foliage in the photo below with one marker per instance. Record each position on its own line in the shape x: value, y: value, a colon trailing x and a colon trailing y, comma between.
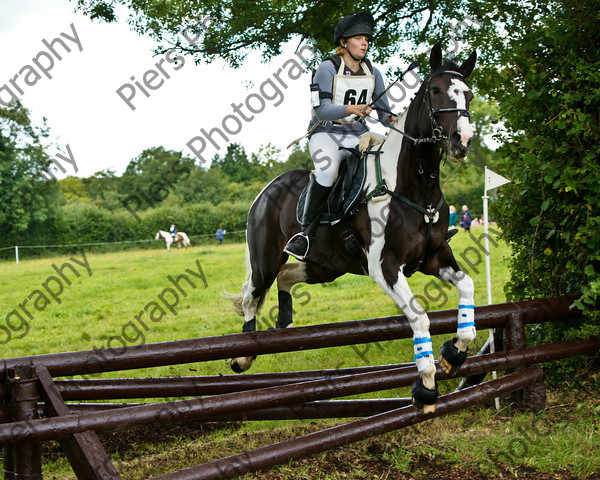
x: 550, y: 97
x: 27, y: 199
x: 538, y: 60
x: 231, y: 29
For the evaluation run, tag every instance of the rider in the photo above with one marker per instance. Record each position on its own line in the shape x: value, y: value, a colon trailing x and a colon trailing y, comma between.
x: 346, y: 83
x: 173, y: 231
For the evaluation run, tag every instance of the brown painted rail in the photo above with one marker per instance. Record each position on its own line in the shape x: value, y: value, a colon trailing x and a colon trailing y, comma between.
x: 284, y: 340
x: 300, y: 447
x: 310, y: 410
x: 123, y: 388
x: 194, y: 386
x: 210, y: 407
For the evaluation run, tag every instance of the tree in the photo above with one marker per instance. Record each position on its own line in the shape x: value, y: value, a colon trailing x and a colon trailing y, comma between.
x: 235, y: 164
x: 539, y: 60
x: 73, y: 189
x: 265, y: 162
x: 155, y: 174
x: 232, y: 28
x: 27, y: 199
x: 550, y: 98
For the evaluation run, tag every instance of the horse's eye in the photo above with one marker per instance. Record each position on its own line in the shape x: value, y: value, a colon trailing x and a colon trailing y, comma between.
x: 435, y: 90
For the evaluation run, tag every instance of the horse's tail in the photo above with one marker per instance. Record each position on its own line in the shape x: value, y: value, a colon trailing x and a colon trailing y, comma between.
x: 238, y: 299
x: 186, y: 240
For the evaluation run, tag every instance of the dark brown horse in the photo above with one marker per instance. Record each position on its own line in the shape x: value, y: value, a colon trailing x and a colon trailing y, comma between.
x: 401, y: 230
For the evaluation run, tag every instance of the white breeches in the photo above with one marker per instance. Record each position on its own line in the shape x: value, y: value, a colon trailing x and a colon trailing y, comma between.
x: 326, y: 155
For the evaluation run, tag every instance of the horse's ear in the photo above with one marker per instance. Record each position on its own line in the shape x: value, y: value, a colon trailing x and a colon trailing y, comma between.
x: 467, y: 68
x: 435, y: 59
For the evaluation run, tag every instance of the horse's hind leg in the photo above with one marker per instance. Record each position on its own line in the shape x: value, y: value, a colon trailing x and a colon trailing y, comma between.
x: 263, y: 267
x: 253, y: 297
x: 289, y: 275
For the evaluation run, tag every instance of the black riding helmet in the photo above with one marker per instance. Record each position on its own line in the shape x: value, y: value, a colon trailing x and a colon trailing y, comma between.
x: 360, y: 24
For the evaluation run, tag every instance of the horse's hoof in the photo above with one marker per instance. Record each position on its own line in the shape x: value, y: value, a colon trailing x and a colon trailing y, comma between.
x: 450, y: 358
x: 423, y: 398
x: 235, y: 366
x: 240, y: 365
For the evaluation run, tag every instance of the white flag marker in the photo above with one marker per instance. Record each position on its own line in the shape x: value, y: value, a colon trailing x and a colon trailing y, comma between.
x: 492, y: 180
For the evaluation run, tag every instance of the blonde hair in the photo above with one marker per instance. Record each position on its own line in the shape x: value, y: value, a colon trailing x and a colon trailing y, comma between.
x: 340, y: 50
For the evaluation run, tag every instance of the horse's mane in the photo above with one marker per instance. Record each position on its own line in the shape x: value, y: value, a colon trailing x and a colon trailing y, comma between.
x: 447, y: 64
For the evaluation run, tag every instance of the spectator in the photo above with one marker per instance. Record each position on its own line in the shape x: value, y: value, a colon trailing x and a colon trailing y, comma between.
x: 453, y: 216
x: 465, y: 220
x: 220, y: 234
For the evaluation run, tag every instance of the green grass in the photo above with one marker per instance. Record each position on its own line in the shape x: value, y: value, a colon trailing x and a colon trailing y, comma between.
x: 99, y: 310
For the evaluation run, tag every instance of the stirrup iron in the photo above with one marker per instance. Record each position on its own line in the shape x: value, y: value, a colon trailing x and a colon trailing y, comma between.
x: 298, y: 256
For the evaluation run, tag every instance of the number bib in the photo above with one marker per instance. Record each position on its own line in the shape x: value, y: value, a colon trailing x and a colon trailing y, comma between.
x: 352, y: 90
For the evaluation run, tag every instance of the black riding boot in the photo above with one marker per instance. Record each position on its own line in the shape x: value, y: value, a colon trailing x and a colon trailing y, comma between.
x: 314, y: 207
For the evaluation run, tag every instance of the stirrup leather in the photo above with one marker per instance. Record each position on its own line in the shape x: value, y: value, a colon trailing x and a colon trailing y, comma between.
x: 298, y: 256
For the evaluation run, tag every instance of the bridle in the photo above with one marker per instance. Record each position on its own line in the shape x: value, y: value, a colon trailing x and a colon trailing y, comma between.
x: 436, y: 129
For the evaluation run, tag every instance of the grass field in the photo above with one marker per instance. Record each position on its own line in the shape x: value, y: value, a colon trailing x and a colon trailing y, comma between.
x: 99, y: 307
x: 89, y: 301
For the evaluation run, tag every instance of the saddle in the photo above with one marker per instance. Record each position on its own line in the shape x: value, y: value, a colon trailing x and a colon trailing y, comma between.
x: 345, y: 192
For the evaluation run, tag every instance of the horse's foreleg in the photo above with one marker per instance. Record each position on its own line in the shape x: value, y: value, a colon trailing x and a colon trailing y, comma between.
x: 424, y: 390
x: 289, y: 275
x: 454, y: 352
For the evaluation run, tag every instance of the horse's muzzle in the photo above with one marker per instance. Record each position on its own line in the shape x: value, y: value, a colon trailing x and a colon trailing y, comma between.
x: 458, y: 151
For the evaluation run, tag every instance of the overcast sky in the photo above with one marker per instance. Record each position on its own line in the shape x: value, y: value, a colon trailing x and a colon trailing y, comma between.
x: 84, y: 111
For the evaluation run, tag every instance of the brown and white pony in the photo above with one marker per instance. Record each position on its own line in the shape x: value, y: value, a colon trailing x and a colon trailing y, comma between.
x: 400, y: 232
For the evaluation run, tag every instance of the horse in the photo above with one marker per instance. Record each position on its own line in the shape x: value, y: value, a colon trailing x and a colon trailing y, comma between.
x: 401, y: 225
x: 180, y: 239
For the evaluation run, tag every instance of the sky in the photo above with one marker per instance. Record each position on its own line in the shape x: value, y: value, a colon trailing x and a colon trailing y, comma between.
x: 97, y: 129
x: 84, y: 111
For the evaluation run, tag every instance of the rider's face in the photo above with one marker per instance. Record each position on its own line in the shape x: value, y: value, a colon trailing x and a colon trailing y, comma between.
x: 358, y: 46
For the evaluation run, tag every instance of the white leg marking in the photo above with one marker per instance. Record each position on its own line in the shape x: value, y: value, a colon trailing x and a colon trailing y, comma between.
x: 465, y: 330
x: 249, y: 306
x: 291, y: 274
x: 419, y: 321
x: 249, y: 301
x: 400, y: 292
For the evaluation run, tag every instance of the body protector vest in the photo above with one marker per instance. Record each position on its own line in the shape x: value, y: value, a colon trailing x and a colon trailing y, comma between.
x: 350, y: 89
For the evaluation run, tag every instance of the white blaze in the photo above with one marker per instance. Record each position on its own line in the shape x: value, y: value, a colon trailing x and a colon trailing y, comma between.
x: 457, y: 93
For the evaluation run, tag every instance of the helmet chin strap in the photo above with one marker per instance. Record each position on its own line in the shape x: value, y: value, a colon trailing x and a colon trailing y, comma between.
x: 357, y: 59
